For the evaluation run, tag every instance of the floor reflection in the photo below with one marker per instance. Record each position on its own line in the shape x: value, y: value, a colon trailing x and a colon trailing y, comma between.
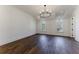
x: 48, y: 44
x: 60, y: 45
x: 43, y: 43
x: 59, y: 41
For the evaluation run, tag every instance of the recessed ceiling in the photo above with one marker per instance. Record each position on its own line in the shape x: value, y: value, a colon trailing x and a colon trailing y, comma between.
x: 59, y: 10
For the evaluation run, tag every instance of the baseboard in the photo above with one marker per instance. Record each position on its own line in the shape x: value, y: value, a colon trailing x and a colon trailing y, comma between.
x: 28, y: 36
x: 55, y: 35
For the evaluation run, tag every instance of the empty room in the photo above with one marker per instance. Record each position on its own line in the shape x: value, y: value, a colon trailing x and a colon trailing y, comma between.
x: 39, y: 29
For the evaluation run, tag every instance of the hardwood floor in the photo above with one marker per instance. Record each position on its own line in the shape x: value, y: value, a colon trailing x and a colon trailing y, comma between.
x: 42, y: 44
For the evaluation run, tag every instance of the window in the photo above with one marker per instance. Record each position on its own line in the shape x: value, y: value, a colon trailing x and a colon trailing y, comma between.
x: 60, y: 25
x: 43, y: 25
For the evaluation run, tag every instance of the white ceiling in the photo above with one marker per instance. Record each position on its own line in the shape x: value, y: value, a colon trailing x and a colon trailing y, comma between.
x: 59, y: 10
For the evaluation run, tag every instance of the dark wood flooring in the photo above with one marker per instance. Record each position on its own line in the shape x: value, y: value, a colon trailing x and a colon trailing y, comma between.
x: 42, y: 44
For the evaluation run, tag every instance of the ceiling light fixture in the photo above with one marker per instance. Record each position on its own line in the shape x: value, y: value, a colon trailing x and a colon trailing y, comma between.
x: 45, y: 13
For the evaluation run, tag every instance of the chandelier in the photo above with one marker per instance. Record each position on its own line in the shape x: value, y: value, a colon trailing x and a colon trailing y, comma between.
x: 45, y: 13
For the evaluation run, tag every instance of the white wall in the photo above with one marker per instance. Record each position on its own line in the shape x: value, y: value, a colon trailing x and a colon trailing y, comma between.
x: 15, y: 24
x: 51, y: 27
x: 76, y: 24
